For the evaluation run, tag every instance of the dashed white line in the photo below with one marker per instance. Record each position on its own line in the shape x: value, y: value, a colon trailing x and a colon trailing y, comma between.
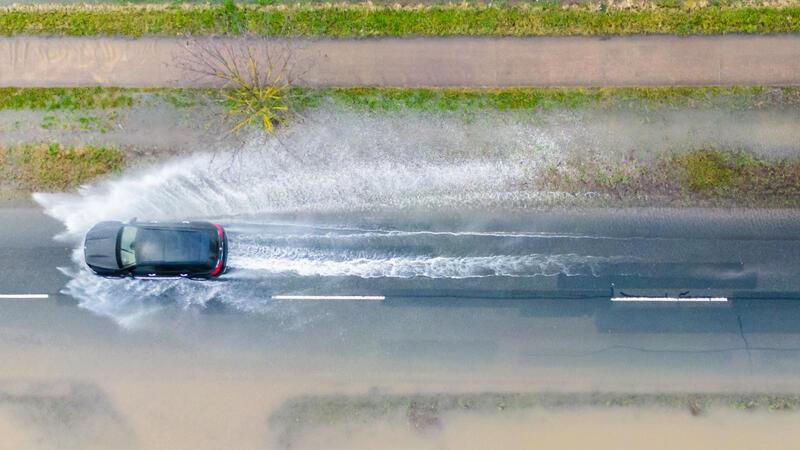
x: 329, y: 297
x: 671, y: 299
x: 23, y: 296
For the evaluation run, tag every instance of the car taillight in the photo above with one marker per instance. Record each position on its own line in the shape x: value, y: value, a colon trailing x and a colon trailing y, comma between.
x: 218, y: 267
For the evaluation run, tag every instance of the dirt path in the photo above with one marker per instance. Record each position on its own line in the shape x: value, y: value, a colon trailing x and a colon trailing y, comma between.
x: 628, y: 61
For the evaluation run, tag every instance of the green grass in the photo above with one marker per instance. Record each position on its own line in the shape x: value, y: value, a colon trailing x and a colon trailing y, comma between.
x: 52, y: 167
x: 436, y: 100
x: 708, y: 170
x: 364, y: 20
x: 65, y: 98
x: 84, y: 98
x: 415, y: 99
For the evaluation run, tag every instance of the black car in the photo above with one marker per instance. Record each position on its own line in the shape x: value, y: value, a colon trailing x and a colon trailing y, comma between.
x: 152, y: 249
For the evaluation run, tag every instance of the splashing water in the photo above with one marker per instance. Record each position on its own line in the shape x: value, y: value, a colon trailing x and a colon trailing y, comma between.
x: 343, y: 164
x: 331, y: 162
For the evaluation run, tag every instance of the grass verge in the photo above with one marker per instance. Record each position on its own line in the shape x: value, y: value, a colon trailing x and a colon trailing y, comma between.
x: 365, y: 20
x: 424, y: 411
x: 416, y: 99
x: 453, y: 100
x: 52, y: 167
x: 66, y: 98
x: 706, y: 177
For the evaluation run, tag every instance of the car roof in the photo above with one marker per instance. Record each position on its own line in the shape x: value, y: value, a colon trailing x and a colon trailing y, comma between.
x: 172, y: 245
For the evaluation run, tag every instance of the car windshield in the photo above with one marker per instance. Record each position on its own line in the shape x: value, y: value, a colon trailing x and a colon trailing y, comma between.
x: 127, y: 244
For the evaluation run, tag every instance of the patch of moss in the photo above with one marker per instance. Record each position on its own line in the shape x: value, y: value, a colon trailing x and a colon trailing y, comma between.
x: 708, y: 170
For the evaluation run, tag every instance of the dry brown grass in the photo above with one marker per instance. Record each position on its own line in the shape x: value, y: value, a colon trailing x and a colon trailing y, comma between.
x: 706, y: 177
x: 51, y: 167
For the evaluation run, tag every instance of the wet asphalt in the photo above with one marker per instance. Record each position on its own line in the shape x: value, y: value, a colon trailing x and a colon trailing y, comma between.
x: 554, y: 330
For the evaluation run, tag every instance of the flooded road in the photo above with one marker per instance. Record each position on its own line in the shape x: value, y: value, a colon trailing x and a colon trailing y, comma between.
x: 464, y: 279
x: 510, y: 292
x: 474, y: 301
x: 745, y: 255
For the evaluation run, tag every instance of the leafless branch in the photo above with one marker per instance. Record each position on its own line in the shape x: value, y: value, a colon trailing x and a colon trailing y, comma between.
x: 257, y: 77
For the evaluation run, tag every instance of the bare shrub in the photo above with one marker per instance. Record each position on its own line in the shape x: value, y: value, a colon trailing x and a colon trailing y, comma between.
x: 256, y: 77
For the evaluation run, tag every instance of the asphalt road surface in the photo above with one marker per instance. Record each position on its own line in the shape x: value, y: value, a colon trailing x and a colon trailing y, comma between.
x: 30, y: 255
x: 136, y: 363
x: 509, y: 328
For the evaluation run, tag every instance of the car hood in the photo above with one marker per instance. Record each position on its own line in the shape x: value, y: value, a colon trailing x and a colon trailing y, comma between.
x: 100, y: 248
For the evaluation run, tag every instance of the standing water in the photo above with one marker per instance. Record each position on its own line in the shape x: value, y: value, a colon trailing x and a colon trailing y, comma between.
x: 368, y: 204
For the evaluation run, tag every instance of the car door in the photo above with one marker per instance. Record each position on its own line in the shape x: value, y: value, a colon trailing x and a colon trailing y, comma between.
x: 145, y: 271
x: 150, y: 271
x: 156, y: 271
x: 171, y: 271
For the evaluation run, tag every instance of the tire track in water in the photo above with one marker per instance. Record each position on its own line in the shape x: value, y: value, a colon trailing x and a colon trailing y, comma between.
x: 279, y: 261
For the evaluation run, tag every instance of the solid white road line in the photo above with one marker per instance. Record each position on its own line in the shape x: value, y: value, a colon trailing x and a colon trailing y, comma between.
x: 23, y: 296
x: 671, y: 299
x: 329, y: 297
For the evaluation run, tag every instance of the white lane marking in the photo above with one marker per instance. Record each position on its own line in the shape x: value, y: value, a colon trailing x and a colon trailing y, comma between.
x: 329, y: 297
x: 671, y: 299
x: 23, y: 296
